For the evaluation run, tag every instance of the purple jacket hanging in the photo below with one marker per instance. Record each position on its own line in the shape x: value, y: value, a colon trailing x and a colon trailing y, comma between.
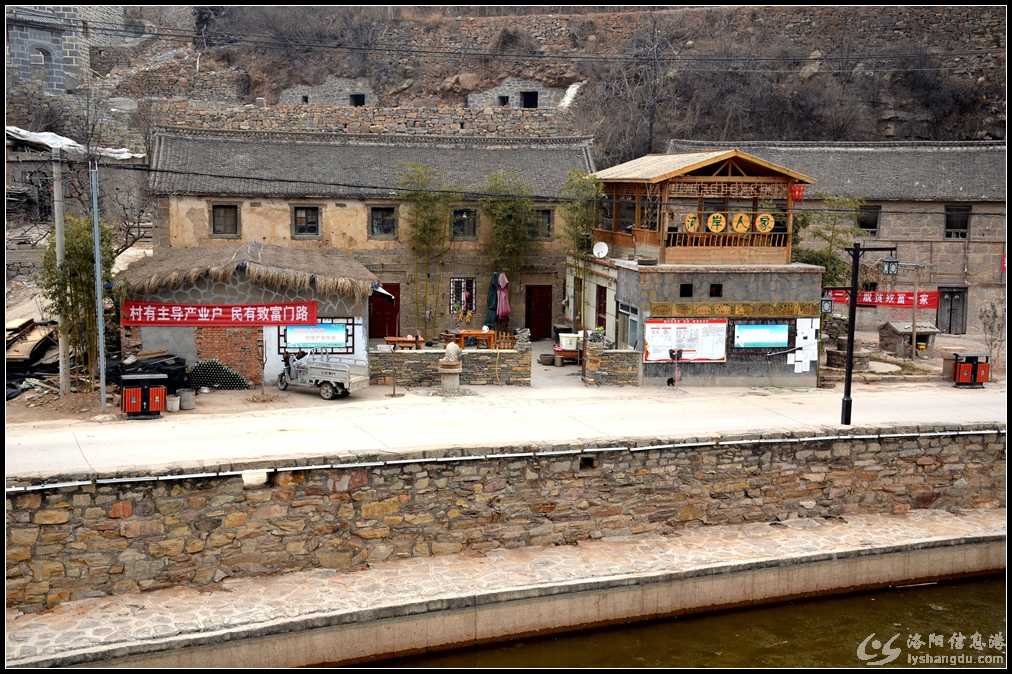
x: 503, y: 305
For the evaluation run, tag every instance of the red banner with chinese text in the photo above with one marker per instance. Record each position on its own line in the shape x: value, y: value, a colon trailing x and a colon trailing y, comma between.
x: 157, y: 313
x: 926, y: 299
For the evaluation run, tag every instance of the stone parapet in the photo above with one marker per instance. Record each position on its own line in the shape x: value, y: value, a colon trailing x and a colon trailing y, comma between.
x: 613, y: 367
x: 497, y: 367
x: 93, y: 539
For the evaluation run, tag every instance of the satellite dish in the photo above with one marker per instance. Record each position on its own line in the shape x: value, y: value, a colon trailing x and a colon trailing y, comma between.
x: 600, y: 250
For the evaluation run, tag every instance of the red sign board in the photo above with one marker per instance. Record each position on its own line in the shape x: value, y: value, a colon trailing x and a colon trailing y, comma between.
x: 157, y: 313
x: 927, y: 299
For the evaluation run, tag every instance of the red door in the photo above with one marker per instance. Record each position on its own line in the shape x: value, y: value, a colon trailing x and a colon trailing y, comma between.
x: 602, y: 307
x: 538, y: 311
x: 384, y: 314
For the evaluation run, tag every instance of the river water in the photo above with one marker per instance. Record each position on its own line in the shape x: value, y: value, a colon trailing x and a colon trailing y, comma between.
x: 818, y: 632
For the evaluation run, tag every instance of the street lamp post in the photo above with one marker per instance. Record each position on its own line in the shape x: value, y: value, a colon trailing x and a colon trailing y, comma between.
x: 855, y: 270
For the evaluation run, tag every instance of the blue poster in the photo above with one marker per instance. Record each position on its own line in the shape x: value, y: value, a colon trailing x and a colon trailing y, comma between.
x: 757, y: 336
x: 319, y: 336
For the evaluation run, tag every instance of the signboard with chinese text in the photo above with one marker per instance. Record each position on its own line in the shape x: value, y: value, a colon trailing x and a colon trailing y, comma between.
x: 927, y: 299
x: 319, y: 336
x: 161, y: 314
x: 750, y: 336
x: 700, y: 340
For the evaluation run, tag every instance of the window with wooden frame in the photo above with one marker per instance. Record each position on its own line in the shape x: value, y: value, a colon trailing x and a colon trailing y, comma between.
x: 461, y: 295
x: 382, y: 222
x: 606, y: 213
x: 464, y: 224
x: 957, y: 222
x: 225, y: 221
x: 541, y: 227
x: 305, y: 222
x: 867, y: 219
x: 626, y: 213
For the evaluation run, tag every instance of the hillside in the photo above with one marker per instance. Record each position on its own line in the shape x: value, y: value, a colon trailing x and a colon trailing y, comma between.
x: 817, y: 73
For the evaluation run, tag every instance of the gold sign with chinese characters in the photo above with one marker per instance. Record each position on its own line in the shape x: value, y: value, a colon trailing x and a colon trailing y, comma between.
x: 764, y: 223
x: 733, y: 309
x: 691, y: 223
x: 740, y: 222
x: 716, y: 222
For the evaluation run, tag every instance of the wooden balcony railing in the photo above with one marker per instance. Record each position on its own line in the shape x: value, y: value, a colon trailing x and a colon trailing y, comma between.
x: 727, y: 240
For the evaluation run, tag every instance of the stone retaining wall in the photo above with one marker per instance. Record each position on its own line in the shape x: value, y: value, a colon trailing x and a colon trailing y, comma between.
x: 504, y: 367
x: 496, y: 122
x: 90, y: 540
x: 613, y: 367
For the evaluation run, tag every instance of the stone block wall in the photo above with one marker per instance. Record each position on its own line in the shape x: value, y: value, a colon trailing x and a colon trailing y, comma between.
x: 333, y: 91
x: 496, y: 122
x: 613, y: 367
x: 94, y: 540
x: 511, y: 87
x: 505, y: 367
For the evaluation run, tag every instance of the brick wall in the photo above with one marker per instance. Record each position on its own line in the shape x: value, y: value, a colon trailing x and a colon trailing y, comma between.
x: 479, y: 367
x: 239, y: 348
x: 613, y: 367
x: 103, y: 539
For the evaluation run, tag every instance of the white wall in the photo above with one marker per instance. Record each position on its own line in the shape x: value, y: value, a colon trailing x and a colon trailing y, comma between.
x: 275, y: 363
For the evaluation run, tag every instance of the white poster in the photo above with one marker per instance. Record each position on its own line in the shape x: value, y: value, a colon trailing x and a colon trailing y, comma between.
x: 701, y: 340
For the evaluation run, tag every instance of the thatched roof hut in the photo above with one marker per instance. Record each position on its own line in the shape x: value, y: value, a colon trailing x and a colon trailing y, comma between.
x: 325, y: 272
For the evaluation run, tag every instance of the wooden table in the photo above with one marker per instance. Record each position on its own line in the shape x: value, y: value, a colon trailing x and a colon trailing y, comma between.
x: 566, y: 354
x: 481, y: 336
x: 406, y: 342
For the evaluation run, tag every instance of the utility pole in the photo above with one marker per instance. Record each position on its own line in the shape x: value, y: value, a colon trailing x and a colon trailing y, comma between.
x: 916, y: 266
x: 58, y: 227
x: 855, y: 271
x: 99, y: 300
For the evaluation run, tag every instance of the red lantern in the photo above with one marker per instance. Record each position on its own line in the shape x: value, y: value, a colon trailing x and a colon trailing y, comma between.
x: 797, y: 191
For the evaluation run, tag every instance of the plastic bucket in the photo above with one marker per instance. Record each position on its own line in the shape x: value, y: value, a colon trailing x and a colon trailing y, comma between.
x: 172, y: 403
x: 186, y: 399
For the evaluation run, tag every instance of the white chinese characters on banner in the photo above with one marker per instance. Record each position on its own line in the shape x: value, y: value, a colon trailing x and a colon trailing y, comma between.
x: 157, y: 313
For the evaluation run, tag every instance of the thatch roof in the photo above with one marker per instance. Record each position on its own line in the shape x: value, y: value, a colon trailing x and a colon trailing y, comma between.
x: 325, y: 272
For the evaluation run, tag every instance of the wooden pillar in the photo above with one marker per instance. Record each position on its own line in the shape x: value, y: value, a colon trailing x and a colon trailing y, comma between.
x: 790, y: 223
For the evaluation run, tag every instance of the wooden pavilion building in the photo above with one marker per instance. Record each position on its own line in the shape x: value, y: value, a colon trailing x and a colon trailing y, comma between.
x: 698, y: 244
x: 700, y: 208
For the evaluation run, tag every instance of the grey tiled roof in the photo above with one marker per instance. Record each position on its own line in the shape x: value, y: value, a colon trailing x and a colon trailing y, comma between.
x: 888, y: 171
x: 346, y: 166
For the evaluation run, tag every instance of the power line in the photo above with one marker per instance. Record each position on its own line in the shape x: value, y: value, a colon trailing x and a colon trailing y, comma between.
x: 188, y: 36
x: 460, y: 192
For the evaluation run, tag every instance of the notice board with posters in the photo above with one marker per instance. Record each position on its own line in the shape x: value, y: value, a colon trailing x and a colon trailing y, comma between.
x: 701, y: 340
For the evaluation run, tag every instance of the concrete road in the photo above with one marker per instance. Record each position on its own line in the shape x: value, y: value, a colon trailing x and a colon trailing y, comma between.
x: 491, y: 416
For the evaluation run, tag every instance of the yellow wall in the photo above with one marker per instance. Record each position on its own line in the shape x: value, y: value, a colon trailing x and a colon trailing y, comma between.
x: 343, y: 226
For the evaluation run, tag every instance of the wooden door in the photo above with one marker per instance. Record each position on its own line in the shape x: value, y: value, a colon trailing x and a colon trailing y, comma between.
x: 538, y: 311
x: 952, y: 310
x: 384, y: 314
x: 578, y: 302
x: 601, y: 320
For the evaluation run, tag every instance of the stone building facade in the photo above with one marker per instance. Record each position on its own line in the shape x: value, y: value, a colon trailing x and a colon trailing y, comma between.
x: 942, y: 204
x: 351, y: 194
x: 50, y: 44
x: 514, y: 92
x: 333, y: 91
